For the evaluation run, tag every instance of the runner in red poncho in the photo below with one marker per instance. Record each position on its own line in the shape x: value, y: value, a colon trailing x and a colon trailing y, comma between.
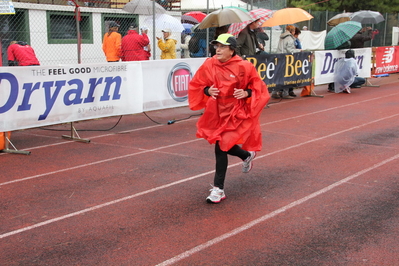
x: 233, y: 95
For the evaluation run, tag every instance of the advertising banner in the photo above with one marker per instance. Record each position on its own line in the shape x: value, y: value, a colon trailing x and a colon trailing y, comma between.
x: 386, y: 60
x: 325, y: 63
x: 165, y: 82
x: 7, y: 7
x: 284, y: 70
x: 39, y: 96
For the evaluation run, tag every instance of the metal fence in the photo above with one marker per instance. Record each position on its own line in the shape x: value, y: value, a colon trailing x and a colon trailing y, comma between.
x: 49, y: 26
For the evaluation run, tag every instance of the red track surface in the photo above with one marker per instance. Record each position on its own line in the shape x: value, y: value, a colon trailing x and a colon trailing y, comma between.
x: 324, y: 190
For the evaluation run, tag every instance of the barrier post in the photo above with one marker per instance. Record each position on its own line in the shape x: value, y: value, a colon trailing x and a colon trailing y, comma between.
x: 75, y: 136
x: 7, y: 142
x: 308, y: 91
x: 368, y: 83
x: 5, y: 136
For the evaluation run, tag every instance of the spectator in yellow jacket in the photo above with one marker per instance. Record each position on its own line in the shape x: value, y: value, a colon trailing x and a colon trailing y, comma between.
x: 112, y: 43
x: 167, y: 45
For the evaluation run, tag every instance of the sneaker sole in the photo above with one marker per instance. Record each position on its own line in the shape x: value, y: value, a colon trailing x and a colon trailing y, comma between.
x: 215, y: 202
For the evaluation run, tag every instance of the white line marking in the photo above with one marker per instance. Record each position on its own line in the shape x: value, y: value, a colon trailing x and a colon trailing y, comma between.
x: 101, y: 205
x: 96, y: 162
x: 326, y: 110
x: 251, y: 224
x: 149, y: 127
x: 181, y: 181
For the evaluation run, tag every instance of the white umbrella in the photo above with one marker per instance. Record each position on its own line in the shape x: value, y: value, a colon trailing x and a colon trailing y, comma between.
x: 165, y: 21
x: 223, y: 17
x: 367, y: 17
x: 143, y: 7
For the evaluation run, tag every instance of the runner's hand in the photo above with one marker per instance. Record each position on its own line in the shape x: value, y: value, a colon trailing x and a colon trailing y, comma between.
x: 214, y: 92
x: 240, y: 94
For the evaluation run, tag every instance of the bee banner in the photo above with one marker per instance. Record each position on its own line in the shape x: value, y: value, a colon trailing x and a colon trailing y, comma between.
x: 283, y: 70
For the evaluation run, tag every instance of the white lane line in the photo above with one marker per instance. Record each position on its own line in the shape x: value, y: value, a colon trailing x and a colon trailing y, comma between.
x: 96, y: 162
x: 149, y: 127
x: 93, y: 137
x: 101, y: 206
x: 255, y: 222
x: 176, y: 144
x: 173, y: 183
x: 328, y: 109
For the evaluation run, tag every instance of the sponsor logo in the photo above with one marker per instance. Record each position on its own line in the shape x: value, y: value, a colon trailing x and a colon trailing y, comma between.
x: 178, y: 80
x: 388, y: 55
x: 73, y: 91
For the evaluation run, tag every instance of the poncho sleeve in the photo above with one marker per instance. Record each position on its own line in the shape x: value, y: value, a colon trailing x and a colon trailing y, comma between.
x: 201, y: 79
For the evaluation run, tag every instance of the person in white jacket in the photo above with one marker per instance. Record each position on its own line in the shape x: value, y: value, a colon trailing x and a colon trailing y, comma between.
x: 345, y: 74
x: 184, y: 45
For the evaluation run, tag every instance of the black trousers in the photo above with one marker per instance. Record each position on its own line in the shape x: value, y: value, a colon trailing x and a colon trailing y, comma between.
x: 222, y: 162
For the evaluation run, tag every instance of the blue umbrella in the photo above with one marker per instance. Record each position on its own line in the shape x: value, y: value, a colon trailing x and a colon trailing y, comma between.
x: 187, y: 27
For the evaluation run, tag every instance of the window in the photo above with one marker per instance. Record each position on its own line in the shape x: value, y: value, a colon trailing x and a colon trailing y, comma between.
x: 62, y: 27
x: 123, y: 20
x: 13, y: 28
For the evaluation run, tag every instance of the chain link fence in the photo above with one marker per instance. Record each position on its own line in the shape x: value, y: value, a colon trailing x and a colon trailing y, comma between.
x: 50, y: 26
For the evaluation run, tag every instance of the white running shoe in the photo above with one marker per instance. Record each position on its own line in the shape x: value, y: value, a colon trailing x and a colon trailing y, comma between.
x: 216, y: 196
x: 247, y: 163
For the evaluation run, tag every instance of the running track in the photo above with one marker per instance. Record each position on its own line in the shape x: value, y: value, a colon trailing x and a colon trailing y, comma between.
x: 324, y: 190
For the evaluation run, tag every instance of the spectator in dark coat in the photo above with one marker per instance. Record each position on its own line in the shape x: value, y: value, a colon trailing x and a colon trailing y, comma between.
x: 361, y: 37
x: 247, y: 41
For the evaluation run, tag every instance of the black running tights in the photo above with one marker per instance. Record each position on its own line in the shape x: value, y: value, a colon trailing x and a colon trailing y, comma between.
x: 222, y: 162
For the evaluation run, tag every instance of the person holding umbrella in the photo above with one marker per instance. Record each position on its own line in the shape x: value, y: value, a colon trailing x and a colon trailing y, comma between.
x: 186, y: 37
x: 233, y: 95
x: 362, y: 36
x: 247, y: 41
x: 286, y: 45
x: 167, y: 45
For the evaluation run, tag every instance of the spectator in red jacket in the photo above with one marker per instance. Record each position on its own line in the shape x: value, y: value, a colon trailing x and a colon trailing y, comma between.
x: 134, y: 45
x: 21, y: 54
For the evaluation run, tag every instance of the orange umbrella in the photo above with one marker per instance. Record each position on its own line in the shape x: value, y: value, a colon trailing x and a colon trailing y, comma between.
x: 289, y: 15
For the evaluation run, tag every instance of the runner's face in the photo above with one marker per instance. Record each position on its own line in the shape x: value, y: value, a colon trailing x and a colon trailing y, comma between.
x: 223, y: 52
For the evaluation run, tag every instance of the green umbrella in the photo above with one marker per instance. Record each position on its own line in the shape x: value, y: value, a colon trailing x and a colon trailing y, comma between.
x: 341, y: 33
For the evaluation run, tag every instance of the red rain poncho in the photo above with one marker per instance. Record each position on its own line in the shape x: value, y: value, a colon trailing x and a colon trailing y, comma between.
x: 226, y: 119
x: 133, y: 46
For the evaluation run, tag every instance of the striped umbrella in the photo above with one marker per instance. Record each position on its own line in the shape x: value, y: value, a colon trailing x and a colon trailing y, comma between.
x: 341, y: 33
x: 260, y: 14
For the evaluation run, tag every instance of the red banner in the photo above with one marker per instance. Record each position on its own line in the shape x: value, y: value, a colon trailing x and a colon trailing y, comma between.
x: 386, y: 60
